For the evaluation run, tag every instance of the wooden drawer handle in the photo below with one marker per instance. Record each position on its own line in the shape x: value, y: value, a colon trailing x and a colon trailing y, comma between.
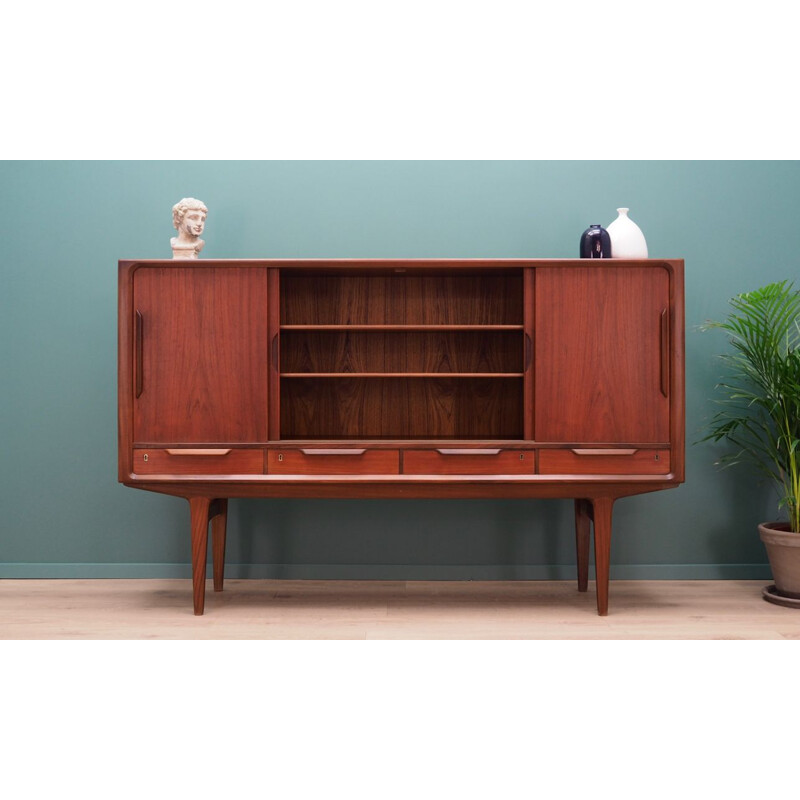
x: 610, y: 452
x: 464, y: 452
x: 199, y: 452
x: 307, y: 451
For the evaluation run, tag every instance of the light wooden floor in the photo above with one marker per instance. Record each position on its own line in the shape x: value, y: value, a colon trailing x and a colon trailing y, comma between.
x: 271, y: 609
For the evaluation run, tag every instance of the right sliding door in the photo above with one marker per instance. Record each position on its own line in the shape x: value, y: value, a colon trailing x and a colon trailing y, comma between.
x: 601, y: 355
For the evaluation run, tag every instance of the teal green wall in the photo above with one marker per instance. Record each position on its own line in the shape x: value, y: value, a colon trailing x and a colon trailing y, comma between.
x: 64, y: 225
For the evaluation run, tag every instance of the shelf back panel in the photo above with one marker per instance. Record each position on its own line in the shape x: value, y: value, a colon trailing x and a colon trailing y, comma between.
x: 480, y: 299
x: 443, y: 352
x: 401, y: 408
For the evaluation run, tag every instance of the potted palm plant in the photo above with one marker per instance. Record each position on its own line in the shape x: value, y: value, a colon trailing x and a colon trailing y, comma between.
x: 760, y: 415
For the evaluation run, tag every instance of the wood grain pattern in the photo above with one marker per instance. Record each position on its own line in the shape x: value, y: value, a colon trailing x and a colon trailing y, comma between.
x: 383, y: 487
x: 273, y: 339
x: 529, y: 335
x: 288, y: 461
x: 598, y: 354
x: 232, y: 462
x: 601, y: 516
x: 462, y: 462
x: 204, y: 354
x: 199, y: 508
x: 219, y: 524
x: 126, y: 368
x: 138, y: 334
x: 676, y: 325
x: 405, y: 299
x: 401, y: 374
x: 583, y: 531
x: 401, y: 408
x: 639, y: 462
x: 440, y: 351
x: 397, y: 328
x: 664, y: 361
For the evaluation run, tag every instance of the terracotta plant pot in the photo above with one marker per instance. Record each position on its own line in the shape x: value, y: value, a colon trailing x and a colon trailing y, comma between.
x: 783, y: 551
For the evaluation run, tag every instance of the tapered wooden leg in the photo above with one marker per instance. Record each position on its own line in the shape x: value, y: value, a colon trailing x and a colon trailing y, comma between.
x: 199, y: 507
x: 602, y: 549
x: 218, y: 527
x: 582, y: 541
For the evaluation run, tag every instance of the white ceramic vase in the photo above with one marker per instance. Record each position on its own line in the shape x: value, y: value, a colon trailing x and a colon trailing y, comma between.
x: 627, y: 239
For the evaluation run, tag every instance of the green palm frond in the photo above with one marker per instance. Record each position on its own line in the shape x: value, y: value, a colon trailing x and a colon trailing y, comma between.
x: 759, y: 398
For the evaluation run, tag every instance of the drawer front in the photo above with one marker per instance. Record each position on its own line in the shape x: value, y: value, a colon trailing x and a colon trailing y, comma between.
x: 333, y: 461
x: 188, y: 461
x: 604, y: 462
x: 466, y: 461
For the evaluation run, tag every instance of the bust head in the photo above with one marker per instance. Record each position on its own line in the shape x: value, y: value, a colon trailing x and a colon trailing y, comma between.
x: 189, y: 217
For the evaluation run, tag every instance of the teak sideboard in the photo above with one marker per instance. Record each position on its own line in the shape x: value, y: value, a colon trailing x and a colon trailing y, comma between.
x: 436, y: 378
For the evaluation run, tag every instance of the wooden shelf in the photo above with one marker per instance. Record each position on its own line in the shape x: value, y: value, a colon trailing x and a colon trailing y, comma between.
x: 372, y: 301
x: 401, y: 327
x: 402, y: 374
x: 392, y: 405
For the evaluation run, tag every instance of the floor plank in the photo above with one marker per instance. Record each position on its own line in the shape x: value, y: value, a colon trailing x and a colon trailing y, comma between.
x: 272, y: 609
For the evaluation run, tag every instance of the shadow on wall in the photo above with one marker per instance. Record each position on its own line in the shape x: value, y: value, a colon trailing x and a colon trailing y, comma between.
x: 402, y: 539
x: 742, y: 502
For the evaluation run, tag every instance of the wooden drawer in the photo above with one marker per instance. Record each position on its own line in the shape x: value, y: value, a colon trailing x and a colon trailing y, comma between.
x: 333, y: 461
x: 468, y: 461
x: 189, y: 461
x: 609, y: 461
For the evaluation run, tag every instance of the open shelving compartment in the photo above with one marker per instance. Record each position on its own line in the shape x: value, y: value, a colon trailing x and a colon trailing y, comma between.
x: 410, y: 355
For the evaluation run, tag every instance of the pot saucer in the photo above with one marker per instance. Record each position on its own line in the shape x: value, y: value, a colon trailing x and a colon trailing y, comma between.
x: 769, y: 593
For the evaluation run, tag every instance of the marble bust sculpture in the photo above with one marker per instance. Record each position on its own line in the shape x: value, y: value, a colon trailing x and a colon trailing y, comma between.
x: 189, y: 219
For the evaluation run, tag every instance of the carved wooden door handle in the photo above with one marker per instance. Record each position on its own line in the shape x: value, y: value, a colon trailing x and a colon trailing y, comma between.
x: 138, y: 345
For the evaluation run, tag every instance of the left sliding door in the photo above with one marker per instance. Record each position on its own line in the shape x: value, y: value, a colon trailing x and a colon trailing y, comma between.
x: 200, y: 354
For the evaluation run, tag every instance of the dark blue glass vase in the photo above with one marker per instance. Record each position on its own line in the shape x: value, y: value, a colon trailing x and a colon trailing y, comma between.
x: 595, y: 243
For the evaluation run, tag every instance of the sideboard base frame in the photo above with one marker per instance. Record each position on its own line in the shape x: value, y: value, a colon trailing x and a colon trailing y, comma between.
x: 401, y: 378
x: 593, y: 517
